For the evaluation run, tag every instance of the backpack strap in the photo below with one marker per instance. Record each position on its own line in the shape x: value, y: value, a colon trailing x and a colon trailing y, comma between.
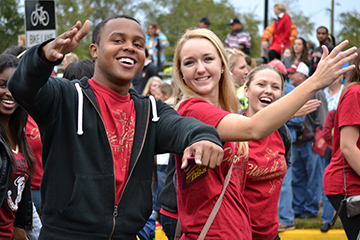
x: 286, y: 138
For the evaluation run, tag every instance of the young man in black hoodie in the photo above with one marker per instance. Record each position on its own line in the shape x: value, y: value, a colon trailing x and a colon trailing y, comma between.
x: 99, y: 137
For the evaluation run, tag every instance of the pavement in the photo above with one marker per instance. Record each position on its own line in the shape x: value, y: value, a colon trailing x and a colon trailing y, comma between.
x: 297, y: 234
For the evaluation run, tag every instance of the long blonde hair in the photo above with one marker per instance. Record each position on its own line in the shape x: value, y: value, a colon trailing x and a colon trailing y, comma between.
x: 152, y: 79
x: 227, y: 97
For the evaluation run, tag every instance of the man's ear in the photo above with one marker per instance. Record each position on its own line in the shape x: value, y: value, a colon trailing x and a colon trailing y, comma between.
x: 93, y: 50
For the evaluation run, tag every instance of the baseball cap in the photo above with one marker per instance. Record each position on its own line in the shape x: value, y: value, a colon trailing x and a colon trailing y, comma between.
x: 205, y: 20
x: 279, y: 65
x: 299, y: 67
x: 234, y: 20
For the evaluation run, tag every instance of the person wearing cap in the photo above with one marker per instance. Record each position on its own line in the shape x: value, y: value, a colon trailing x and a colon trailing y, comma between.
x: 306, y: 169
x: 204, y: 22
x: 238, y: 38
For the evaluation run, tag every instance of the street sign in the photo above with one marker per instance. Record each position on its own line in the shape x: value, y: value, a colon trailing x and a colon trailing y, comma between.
x: 40, y: 21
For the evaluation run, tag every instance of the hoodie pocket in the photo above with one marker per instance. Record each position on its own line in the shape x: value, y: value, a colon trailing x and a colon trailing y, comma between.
x: 86, y: 209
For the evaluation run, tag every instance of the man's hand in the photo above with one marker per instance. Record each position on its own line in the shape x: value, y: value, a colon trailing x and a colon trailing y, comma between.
x: 19, y: 234
x: 309, y: 107
x: 206, y: 154
x: 65, y: 43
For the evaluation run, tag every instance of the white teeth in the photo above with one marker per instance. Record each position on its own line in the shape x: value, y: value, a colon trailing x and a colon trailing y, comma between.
x: 268, y: 100
x: 9, y: 101
x: 202, y: 79
x: 127, y: 60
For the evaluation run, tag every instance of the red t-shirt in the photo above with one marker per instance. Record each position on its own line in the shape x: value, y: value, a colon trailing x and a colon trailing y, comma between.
x: 266, y: 171
x: 118, y: 114
x: 19, y: 177
x: 347, y: 114
x: 34, y: 140
x: 196, y: 200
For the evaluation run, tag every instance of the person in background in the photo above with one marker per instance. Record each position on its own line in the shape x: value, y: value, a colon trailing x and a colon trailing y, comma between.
x: 299, y: 53
x: 164, y: 92
x: 151, y: 86
x: 306, y: 169
x: 69, y: 58
x: 149, y: 70
x: 282, y: 32
x: 21, y: 40
x: 266, y: 40
x: 239, y: 70
x: 156, y: 42
x: 238, y: 38
x: 79, y: 69
x: 322, y: 34
x: 286, y: 53
x: 346, y: 152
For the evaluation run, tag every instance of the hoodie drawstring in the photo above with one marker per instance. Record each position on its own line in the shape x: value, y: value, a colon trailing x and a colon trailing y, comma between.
x: 154, y: 110
x: 80, y: 109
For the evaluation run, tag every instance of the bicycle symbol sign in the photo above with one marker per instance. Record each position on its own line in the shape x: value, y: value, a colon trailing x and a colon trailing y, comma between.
x: 39, y: 15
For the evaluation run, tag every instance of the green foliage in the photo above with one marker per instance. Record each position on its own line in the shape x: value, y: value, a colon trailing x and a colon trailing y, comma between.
x: 11, y: 23
x: 350, y: 22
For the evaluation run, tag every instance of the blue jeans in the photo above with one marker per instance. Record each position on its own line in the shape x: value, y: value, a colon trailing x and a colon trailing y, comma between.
x: 169, y: 226
x: 36, y: 199
x: 159, y: 185
x: 328, y: 209
x: 306, y: 180
x: 286, y: 212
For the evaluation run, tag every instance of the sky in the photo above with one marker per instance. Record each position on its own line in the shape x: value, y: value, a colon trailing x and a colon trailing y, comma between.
x: 315, y: 9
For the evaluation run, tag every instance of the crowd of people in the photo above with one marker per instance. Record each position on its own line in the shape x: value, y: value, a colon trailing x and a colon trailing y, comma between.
x: 227, y: 149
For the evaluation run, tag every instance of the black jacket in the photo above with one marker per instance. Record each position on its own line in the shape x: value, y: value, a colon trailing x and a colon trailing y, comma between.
x: 23, y: 216
x: 78, y: 185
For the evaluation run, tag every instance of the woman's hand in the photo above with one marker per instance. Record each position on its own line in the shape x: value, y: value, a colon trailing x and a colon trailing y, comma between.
x: 328, y: 69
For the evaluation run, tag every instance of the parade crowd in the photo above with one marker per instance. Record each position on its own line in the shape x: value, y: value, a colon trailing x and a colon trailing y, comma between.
x: 224, y: 148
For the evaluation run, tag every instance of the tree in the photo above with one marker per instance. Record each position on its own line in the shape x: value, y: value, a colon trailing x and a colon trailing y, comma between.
x: 176, y: 16
x: 11, y: 23
x: 350, y: 30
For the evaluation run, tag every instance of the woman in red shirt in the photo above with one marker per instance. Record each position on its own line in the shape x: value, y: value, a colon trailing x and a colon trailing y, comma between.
x: 207, y: 93
x: 17, y: 200
x: 267, y: 164
x: 346, y: 152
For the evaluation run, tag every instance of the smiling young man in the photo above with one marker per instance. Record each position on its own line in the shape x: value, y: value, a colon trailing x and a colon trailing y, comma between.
x: 99, y: 137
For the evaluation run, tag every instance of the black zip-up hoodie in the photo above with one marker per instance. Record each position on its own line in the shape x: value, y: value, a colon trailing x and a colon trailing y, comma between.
x: 78, y: 185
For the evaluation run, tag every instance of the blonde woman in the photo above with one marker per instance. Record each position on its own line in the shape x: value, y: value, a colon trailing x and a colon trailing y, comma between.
x: 152, y: 84
x: 202, y: 73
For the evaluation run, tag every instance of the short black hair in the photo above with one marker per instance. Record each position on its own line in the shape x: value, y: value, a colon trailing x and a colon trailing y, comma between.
x: 327, y: 30
x: 15, y: 50
x: 98, y: 28
x: 8, y: 61
x: 79, y: 69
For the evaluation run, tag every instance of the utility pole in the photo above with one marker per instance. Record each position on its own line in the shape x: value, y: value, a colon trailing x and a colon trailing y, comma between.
x: 332, y: 18
x: 266, y: 14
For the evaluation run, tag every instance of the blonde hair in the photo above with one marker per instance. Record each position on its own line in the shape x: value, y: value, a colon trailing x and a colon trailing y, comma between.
x: 233, y: 56
x: 22, y: 37
x: 152, y: 79
x: 281, y: 7
x: 227, y: 96
x: 71, y: 57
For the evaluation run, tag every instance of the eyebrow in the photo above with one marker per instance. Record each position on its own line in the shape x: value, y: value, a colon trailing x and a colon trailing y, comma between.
x: 124, y: 35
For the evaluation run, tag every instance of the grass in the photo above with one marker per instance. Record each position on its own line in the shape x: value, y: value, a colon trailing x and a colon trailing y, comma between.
x: 314, y: 223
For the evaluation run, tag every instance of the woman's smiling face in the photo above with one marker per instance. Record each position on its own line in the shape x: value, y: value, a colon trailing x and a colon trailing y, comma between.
x: 201, y: 67
x: 264, y: 89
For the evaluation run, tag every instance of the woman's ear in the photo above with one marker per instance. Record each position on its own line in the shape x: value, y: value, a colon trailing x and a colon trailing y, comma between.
x: 246, y: 91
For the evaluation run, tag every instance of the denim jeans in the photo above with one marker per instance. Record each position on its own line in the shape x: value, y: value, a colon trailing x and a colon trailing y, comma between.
x: 159, y: 185
x: 169, y: 226
x: 328, y: 209
x: 286, y: 212
x: 36, y: 199
x: 306, y: 182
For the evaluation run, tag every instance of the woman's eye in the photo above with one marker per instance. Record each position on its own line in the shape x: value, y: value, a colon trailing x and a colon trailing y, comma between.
x: 208, y: 59
x: 188, y: 63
